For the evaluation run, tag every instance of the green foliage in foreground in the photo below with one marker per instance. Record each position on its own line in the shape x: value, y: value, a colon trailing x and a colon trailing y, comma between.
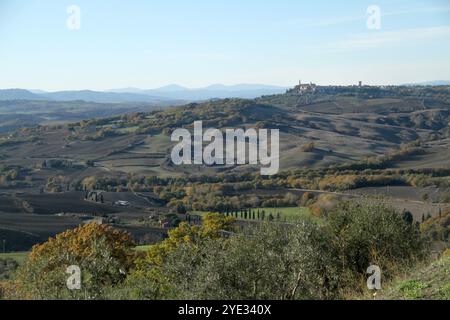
x: 102, y: 253
x: 301, y: 260
x: 370, y: 233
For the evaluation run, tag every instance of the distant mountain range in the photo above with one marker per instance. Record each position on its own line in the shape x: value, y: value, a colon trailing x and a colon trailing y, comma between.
x: 215, y: 91
x: 165, y: 94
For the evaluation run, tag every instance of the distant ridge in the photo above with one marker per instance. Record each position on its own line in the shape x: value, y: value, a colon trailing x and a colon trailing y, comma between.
x: 216, y: 91
x: 82, y: 95
x: 19, y: 94
x: 172, y: 92
x: 430, y: 83
x: 169, y: 88
x: 102, y: 97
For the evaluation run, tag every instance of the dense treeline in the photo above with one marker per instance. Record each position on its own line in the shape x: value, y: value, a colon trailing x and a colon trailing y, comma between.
x: 14, y: 176
x: 237, y: 191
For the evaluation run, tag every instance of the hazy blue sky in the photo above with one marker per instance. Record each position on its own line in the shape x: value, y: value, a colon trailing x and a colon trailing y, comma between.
x: 197, y: 42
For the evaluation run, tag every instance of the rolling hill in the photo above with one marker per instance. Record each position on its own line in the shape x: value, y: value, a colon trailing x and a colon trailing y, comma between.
x: 345, y: 127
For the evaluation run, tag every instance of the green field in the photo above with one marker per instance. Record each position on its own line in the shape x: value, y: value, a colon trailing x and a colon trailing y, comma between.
x: 142, y: 248
x: 286, y: 213
x: 18, y: 256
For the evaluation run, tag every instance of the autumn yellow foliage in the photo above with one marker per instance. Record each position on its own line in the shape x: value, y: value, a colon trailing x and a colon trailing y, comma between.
x: 104, y: 255
x: 77, y: 243
x: 213, y: 224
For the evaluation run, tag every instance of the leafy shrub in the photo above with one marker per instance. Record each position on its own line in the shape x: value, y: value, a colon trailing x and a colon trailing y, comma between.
x: 150, y: 280
x: 371, y: 233
x: 103, y: 254
x: 268, y: 261
x: 304, y: 260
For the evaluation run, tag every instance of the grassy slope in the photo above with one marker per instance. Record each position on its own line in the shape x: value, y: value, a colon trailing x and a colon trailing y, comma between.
x: 431, y: 282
